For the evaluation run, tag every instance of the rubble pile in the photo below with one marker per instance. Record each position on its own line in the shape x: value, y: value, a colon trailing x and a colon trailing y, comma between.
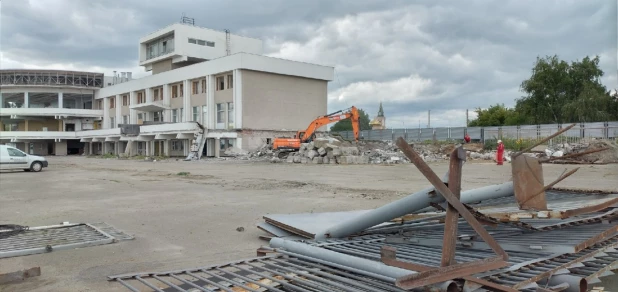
x: 562, y: 149
x: 326, y: 150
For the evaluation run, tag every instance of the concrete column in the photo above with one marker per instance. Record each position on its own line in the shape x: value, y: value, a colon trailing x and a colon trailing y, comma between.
x: 118, y: 111
x: 148, y: 148
x: 90, y: 148
x: 167, y: 147
x: 60, y: 127
x: 132, y: 112
x: 117, y: 148
x: 148, y: 92
x: 26, y: 100
x: 217, y: 146
x: 186, y: 87
x: 167, y: 100
x: 238, y: 99
x: 105, y: 113
x: 1, y: 102
x: 60, y: 100
x: 210, y: 101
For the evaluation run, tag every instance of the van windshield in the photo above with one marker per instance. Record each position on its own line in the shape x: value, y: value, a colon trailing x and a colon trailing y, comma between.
x: 15, y: 152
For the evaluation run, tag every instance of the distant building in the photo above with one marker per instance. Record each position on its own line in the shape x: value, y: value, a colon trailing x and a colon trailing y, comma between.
x: 379, y: 122
x: 205, y: 84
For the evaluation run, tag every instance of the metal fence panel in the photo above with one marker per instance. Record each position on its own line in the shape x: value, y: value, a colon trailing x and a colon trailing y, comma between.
x: 457, y: 133
x: 400, y: 133
x: 594, y: 130
x: 426, y: 134
x: 475, y: 133
x: 441, y: 134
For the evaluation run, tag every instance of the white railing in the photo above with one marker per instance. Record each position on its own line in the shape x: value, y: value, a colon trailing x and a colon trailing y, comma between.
x: 51, y: 112
x: 99, y: 132
x: 36, y: 135
x: 171, y: 127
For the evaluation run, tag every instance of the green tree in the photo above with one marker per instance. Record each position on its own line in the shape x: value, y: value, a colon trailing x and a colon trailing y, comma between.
x: 559, y: 92
x: 346, y: 125
x: 495, y: 115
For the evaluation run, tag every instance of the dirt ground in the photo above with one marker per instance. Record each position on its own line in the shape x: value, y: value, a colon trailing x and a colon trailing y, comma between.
x: 189, y: 220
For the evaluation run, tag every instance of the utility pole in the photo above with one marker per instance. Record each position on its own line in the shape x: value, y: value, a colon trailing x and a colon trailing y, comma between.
x: 467, y: 120
x: 429, y: 119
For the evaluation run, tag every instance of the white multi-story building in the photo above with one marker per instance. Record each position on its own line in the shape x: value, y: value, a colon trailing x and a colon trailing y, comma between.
x: 204, y: 84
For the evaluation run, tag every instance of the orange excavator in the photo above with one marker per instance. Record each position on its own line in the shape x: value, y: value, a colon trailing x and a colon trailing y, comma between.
x: 286, y: 145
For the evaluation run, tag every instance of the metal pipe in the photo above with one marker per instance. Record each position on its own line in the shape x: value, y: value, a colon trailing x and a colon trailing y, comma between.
x: 339, y: 258
x: 576, y: 284
x: 407, y: 205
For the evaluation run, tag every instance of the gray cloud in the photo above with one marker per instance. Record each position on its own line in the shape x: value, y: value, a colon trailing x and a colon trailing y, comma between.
x: 443, y: 56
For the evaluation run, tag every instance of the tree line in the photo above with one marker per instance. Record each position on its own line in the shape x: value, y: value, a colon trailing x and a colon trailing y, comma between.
x: 557, y: 92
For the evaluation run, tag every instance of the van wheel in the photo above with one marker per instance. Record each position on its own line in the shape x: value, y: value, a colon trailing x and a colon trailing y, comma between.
x: 36, y: 166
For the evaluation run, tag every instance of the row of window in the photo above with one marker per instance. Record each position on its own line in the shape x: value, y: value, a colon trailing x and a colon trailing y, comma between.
x: 198, y: 114
x: 201, y: 42
x: 177, y: 91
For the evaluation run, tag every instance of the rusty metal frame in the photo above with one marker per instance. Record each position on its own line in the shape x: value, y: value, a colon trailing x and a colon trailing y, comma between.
x: 449, y: 269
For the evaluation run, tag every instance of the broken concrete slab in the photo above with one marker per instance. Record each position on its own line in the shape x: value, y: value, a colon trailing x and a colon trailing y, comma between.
x: 326, y: 160
x: 311, y: 154
x: 322, y: 151
x: 349, y: 150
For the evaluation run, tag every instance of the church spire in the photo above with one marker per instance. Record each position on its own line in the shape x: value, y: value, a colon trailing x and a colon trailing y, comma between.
x: 381, y: 111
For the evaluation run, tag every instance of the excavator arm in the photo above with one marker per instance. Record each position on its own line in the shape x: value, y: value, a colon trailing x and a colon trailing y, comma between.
x: 351, y: 113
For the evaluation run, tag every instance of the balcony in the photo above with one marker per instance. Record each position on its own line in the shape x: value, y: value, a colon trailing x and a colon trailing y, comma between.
x: 55, y: 112
x: 98, y: 133
x: 35, y: 135
x: 155, y: 106
x: 187, y: 127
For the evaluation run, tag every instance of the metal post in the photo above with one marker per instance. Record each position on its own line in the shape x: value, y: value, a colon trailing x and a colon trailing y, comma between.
x: 410, y: 204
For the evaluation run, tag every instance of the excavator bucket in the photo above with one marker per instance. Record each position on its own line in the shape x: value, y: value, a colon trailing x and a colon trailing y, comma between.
x: 528, y: 182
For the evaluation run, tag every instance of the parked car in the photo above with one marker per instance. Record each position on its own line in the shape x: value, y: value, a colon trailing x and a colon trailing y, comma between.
x: 13, y: 158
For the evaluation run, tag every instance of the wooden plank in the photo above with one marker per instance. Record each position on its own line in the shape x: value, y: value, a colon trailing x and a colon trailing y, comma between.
x: 452, y: 216
x: 527, y: 181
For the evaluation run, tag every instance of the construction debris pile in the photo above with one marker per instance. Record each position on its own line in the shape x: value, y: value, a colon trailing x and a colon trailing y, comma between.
x: 562, y: 152
x: 520, y: 235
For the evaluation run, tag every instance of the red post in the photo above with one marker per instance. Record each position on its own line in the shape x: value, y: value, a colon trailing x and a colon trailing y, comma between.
x: 500, y: 153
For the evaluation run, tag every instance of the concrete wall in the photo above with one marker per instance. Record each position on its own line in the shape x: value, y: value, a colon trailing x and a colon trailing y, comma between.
x: 37, y: 125
x: 60, y: 148
x: 252, y: 139
x: 225, y: 95
x: 162, y: 66
x: 280, y: 102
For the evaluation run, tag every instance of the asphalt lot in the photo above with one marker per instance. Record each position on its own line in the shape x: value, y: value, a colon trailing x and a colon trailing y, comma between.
x: 182, y: 220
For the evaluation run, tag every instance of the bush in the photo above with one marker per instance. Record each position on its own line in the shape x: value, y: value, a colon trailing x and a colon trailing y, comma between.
x: 509, y: 143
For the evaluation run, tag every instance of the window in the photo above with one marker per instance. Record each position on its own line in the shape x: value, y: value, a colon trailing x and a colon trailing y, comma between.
x: 112, y: 102
x: 10, y: 127
x: 157, y: 116
x: 112, y: 123
x: 125, y: 119
x: 156, y: 94
x: 220, y: 113
x: 201, y: 42
x: 204, y: 86
x: 125, y: 100
x: 204, y: 114
x: 226, y: 143
x: 140, y: 117
x: 16, y: 153
x: 230, y: 81
x: 196, y: 86
x: 210, y: 44
x: 177, y: 145
x: 174, y: 91
x: 192, y: 41
x: 181, y: 90
x: 230, y: 115
x: 174, y: 116
x: 196, y: 114
x: 141, y: 98
x: 220, y: 83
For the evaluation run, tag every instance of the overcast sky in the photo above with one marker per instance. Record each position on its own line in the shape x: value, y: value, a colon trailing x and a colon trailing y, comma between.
x: 415, y: 56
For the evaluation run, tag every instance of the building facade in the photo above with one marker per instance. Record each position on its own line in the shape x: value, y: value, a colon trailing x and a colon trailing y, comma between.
x: 208, y: 87
x: 379, y: 122
x: 41, y: 111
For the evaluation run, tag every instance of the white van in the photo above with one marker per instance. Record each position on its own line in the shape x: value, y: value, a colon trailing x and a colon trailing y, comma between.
x: 13, y: 158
